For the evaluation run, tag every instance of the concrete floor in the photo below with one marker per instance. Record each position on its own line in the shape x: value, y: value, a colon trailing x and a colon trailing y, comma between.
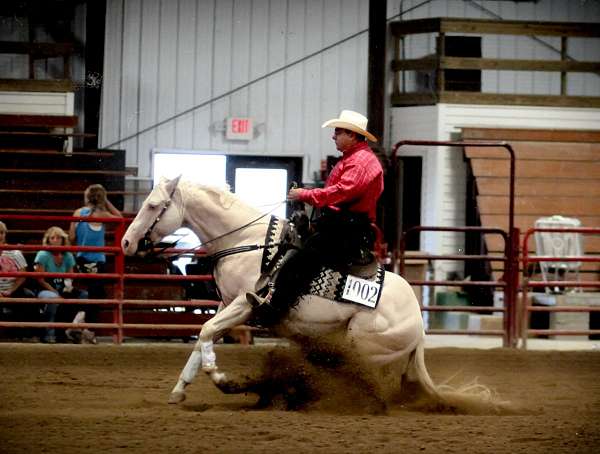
x: 487, y: 342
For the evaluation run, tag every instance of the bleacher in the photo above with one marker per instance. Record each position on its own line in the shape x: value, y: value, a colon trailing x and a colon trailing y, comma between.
x: 44, y: 171
x: 557, y: 173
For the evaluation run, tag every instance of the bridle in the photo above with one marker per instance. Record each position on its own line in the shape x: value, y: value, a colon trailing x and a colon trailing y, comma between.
x: 146, y: 244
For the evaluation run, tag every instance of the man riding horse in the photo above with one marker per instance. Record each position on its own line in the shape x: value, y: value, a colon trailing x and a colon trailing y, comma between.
x: 343, y: 233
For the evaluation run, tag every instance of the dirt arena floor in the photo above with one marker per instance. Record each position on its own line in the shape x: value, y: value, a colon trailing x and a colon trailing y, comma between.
x: 112, y: 399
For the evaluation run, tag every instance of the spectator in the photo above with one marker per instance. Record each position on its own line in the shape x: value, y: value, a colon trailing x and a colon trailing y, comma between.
x: 13, y: 287
x: 84, y: 233
x: 59, y: 287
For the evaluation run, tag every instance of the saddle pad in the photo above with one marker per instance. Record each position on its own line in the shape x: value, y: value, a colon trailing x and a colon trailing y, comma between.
x: 273, y: 238
x: 332, y: 284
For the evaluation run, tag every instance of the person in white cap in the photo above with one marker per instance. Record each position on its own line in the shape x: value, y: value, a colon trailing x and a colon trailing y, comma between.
x: 343, y: 233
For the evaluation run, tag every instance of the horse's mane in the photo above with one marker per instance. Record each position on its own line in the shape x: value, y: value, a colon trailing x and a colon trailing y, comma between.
x: 220, y: 195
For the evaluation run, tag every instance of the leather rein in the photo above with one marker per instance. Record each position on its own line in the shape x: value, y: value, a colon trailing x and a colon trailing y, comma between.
x: 145, y: 243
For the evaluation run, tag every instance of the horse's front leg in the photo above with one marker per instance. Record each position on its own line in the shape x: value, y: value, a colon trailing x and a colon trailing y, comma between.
x: 236, y: 313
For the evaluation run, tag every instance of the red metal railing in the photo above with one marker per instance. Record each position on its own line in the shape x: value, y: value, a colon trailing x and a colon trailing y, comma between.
x: 507, y: 283
x: 510, y: 279
x: 528, y: 283
x: 118, y: 302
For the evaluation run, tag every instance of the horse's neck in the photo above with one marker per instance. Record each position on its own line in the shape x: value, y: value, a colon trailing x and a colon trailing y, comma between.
x: 210, y: 220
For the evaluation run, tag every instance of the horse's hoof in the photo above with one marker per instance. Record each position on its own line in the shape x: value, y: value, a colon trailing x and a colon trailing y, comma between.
x: 176, y: 397
x: 209, y: 368
x: 217, y: 377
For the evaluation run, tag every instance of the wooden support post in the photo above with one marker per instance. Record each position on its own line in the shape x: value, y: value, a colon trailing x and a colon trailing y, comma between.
x: 377, y: 69
x: 396, y: 76
x: 563, y: 57
x: 441, y: 53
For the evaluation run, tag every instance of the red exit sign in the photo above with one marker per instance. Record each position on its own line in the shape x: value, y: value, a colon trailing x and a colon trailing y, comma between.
x: 239, y: 128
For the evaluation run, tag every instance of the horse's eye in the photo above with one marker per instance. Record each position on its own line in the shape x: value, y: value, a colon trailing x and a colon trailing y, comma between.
x: 152, y: 206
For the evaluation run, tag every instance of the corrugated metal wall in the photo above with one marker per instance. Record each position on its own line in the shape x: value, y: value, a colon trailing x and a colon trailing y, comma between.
x: 204, y: 60
x: 219, y: 58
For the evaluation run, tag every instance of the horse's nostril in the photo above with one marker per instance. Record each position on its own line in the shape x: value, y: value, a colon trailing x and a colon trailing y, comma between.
x: 126, y: 243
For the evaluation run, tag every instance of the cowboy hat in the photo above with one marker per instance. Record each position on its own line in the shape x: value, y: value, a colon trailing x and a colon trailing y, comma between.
x: 353, y: 121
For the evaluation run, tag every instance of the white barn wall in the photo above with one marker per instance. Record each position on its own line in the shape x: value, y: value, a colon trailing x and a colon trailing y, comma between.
x: 163, y: 58
x: 444, y: 171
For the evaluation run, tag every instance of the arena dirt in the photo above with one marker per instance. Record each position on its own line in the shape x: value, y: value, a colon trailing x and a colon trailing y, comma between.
x: 112, y: 399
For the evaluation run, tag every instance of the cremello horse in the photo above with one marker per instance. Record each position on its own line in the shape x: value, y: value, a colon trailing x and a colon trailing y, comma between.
x: 388, y: 339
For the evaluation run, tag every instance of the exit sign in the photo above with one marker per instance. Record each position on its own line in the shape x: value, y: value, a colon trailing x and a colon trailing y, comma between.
x: 239, y: 128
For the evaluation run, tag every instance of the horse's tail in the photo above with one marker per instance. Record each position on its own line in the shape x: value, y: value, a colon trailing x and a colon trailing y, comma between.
x: 470, y: 398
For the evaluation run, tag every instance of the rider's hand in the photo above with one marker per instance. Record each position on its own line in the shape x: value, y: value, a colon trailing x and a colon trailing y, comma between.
x: 294, y: 194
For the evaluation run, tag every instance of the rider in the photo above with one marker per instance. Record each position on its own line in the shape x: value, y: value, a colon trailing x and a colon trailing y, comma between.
x: 343, y: 233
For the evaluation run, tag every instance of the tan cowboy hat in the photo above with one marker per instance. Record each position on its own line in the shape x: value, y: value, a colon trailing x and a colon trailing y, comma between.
x: 353, y: 121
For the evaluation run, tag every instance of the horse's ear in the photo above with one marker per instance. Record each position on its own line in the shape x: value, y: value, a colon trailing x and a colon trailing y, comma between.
x: 172, y: 184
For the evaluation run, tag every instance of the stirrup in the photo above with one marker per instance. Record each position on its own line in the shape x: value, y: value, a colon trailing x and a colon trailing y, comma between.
x: 255, y: 301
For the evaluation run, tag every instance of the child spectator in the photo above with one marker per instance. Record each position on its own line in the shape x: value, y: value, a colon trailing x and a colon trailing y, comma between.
x: 58, y: 287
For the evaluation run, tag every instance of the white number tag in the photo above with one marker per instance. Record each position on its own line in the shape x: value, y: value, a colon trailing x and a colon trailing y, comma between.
x: 361, y: 291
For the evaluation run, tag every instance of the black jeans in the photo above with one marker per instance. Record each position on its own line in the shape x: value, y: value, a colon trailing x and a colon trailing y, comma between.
x: 94, y: 287
x: 339, y: 240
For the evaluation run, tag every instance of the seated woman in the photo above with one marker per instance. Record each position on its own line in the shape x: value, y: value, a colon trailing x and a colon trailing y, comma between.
x: 12, y: 260
x: 56, y: 288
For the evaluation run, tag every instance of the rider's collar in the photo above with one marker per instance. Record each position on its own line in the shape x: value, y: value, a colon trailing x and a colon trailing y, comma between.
x: 362, y: 145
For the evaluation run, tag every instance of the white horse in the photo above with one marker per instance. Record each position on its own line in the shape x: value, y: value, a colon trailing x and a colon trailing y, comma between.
x: 387, y: 339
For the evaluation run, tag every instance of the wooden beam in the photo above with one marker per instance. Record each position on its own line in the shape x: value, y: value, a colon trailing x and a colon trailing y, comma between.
x: 542, y: 206
x: 42, y: 121
x: 494, y: 27
x: 536, y: 187
x: 584, y: 170
x: 518, y: 27
x: 66, y: 192
x: 546, y: 151
x: 45, y: 134
x: 414, y: 99
x: 547, y: 135
x: 37, y: 50
x: 515, y: 65
x: 69, y: 171
x: 410, y: 27
x: 54, y: 86
x: 463, y: 97
x: 429, y: 63
x: 45, y: 152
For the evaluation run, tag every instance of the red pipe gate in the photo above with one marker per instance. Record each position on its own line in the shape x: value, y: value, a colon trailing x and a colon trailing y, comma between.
x: 527, y: 309
x: 119, y: 277
x: 510, y: 279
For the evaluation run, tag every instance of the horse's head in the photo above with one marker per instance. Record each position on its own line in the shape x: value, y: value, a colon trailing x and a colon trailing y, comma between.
x: 160, y: 215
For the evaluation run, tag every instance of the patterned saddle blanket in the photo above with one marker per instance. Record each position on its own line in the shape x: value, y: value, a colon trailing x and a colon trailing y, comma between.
x: 360, y: 284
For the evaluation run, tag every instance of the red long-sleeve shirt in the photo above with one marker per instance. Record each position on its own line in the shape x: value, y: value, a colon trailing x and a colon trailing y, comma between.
x: 356, y: 182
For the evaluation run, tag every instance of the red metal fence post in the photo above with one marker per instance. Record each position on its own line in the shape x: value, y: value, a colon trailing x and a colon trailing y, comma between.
x: 120, y: 285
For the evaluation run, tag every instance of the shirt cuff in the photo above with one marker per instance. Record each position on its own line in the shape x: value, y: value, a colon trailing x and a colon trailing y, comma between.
x: 303, y: 195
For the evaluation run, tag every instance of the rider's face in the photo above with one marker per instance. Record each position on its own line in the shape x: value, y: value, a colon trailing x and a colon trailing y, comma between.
x: 343, y: 139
